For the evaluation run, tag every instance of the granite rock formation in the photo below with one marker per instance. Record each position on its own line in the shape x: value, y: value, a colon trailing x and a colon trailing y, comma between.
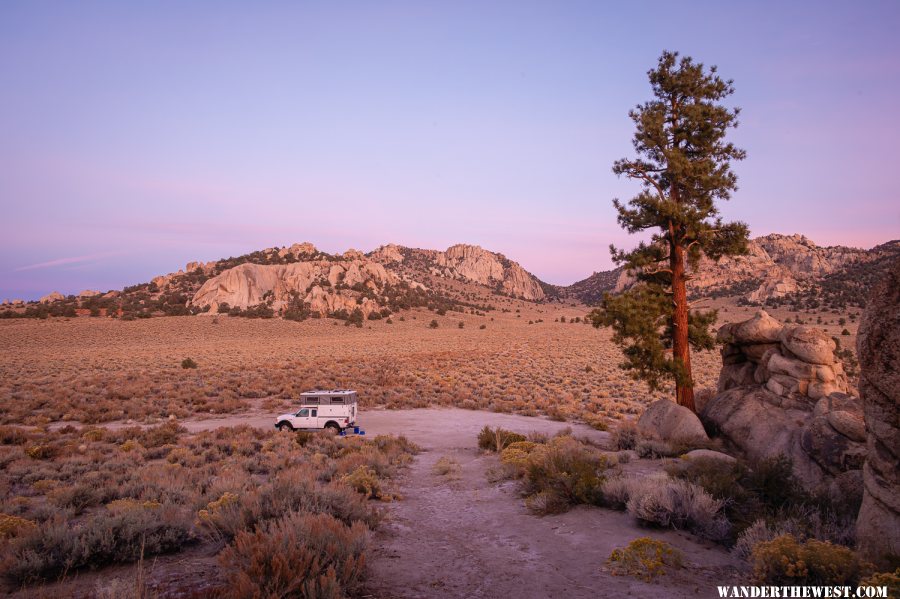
x: 878, y: 347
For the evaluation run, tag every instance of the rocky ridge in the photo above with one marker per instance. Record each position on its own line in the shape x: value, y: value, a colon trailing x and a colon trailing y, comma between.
x: 775, y: 266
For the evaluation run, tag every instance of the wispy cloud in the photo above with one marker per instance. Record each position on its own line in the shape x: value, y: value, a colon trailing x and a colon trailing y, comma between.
x: 69, y: 260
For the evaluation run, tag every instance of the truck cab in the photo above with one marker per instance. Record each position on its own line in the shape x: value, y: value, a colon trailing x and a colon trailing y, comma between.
x: 333, y: 409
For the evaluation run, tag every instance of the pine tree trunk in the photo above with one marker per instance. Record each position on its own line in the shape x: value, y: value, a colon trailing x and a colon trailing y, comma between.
x: 681, y: 351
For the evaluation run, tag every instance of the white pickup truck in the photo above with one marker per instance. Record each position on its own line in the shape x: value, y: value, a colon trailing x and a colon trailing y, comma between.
x: 334, y: 409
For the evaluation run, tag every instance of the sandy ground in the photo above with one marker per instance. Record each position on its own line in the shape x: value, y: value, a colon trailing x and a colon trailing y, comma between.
x: 464, y: 536
x: 468, y: 537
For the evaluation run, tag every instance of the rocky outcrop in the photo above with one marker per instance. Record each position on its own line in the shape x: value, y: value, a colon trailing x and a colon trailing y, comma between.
x: 323, y: 286
x: 774, y: 266
x: 781, y: 392
x: 781, y: 264
x: 88, y: 293
x: 477, y: 265
x: 388, y: 254
x: 796, y: 363
x: 298, y: 250
x: 667, y: 421
x: 54, y: 296
x: 878, y: 347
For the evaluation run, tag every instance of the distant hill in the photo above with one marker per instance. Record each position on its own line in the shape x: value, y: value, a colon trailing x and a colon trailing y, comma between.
x: 778, y: 269
x: 301, y: 282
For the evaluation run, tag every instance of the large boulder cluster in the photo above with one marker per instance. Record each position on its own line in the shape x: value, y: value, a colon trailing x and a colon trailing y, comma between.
x: 783, y: 392
x: 796, y: 363
x: 878, y: 346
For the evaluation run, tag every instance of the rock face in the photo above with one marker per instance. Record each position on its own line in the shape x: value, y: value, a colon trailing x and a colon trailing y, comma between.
x: 475, y: 264
x: 325, y: 286
x: 52, y: 297
x: 878, y: 347
x: 667, y: 421
x: 781, y: 392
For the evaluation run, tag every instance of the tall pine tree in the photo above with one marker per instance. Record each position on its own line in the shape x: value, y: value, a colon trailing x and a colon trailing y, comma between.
x: 684, y: 166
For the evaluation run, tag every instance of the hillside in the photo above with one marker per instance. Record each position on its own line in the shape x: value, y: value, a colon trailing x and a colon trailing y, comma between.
x: 300, y: 281
x: 777, y: 270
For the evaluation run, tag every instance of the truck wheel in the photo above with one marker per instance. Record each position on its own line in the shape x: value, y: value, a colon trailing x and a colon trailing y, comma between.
x: 334, y: 427
x: 285, y: 426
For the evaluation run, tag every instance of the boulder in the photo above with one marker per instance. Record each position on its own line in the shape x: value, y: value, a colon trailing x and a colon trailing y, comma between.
x: 761, y: 328
x: 709, y: 454
x: 848, y: 424
x: 751, y: 420
x: 831, y: 450
x: 736, y: 375
x: 756, y: 351
x: 798, y: 369
x: 878, y: 348
x: 667, y: 421
x: 54, y: 296
x: 809, y: 344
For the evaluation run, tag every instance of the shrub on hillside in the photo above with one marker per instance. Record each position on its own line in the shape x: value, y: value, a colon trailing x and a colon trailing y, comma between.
x: 299, y: 555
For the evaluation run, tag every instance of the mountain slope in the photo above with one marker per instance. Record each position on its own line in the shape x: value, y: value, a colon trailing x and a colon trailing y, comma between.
x: 776, y: 269
x: 301, y: 281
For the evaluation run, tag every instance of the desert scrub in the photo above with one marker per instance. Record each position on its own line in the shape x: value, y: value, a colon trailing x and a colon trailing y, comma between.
x: 785, y: 561
x: 365, y: 481
x: 766, y: 490
x: 13, y: 526
x: 497, y: 439
x: 625, y: 436
x: 891, y: 580
x: 299, y: 555
x: 295, y: 490
x: 107, y: 537
x: 562, y: 473
x: 517, y: 453
x: 644, y: 558
x: 446, y: 467
x: 674, y: 503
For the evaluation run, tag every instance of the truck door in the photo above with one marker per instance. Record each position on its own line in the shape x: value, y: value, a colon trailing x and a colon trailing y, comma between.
x: 303, y: 419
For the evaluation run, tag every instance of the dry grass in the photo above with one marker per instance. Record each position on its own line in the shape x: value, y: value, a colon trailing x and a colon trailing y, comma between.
x: 92, y: 370
x: 110, y: 497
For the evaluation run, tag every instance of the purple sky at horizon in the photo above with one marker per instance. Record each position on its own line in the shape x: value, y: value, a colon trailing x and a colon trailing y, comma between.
x: 135, y: 137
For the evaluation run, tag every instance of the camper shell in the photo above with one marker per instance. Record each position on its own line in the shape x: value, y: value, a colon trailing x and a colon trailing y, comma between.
x: 334, y: 409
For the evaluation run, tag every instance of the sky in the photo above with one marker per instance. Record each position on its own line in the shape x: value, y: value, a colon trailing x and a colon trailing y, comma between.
x: 138, y: 136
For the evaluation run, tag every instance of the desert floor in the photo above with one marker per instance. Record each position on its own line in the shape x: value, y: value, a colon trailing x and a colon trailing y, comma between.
x: 456, y: 535
x: 464, y: 536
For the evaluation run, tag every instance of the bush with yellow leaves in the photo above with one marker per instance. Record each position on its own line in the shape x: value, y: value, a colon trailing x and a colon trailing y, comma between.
x: 786, y: 561
x: 644, y: 558
x: 12, y: 526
